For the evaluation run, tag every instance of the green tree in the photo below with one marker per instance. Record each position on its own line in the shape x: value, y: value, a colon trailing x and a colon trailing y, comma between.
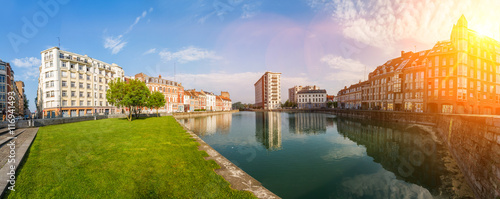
x: 133, y: 95
x: 26, y: 102
x: 156, y: 100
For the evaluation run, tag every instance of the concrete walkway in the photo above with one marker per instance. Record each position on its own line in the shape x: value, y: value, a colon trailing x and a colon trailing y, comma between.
x: 13, y: 148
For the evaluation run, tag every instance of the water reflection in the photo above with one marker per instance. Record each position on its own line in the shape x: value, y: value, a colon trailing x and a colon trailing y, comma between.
x: 408, y: 152
x: 309, y: 123
x: 209, y: 125
x: 268, y: 129
x: 313, y: 155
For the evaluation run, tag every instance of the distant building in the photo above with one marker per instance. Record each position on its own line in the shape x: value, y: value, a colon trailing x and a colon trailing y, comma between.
x: 74, y: 85
x: 20, y: 97
x: 173, y: 92
x: 292, y: 92
x: 268, y: 91
x: 311, y: 98
x: 6, y: 84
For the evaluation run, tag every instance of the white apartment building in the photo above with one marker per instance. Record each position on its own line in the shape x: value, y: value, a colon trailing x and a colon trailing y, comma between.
x: 74, y: 85
x: 210, y: 101
x: 311, y: 98
x: 268, y: 91
x: 292, y: 92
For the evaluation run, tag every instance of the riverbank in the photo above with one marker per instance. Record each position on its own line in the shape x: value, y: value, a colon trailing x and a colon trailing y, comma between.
x: 201, y: 113
x: 238, y: 178
x: 114, y: 158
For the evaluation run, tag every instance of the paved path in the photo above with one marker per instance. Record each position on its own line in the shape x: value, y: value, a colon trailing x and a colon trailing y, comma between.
x: 16, y: 147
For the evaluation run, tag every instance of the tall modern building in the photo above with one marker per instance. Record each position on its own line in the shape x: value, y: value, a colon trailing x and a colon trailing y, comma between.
x: 74, y: 85
x: 460, y: 75
x: 268, y: 91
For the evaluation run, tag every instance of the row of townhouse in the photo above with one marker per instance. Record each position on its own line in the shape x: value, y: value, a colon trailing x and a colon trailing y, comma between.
x: 8, y: 85
x: 204, y: 100
x: 460, y: 75
x: 75, y: 85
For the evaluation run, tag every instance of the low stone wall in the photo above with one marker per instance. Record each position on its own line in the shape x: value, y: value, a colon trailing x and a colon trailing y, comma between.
x: 473, y: 141
x: 201, y: 113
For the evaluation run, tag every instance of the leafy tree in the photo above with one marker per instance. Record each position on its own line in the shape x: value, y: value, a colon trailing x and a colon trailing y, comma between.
x: 156, y: 100
x: 26, y: 102
x: 132, y: 94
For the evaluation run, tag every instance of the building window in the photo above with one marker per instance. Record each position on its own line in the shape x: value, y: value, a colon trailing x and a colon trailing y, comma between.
x: 73, y: 93
x: 73, y: 75
x: 64, y: 83
x: 81, y: 94
x: 64, y: 73
x: 64, y: 93
x: 73, y: 103
x: 80, y: 76
x: 73, y: 84
x: 65, y: 103
x: 80, y: 85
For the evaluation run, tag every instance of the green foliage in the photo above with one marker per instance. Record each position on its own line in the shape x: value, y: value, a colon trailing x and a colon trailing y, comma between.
x: 132, y: 94
x: 289, y: 104
x: 113, y: 158
x: 156, y: 100
x: 199, y: 109
x: 26, y: 103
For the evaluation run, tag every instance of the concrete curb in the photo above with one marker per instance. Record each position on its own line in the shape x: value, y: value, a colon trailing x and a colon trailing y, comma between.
x: 238, y: 178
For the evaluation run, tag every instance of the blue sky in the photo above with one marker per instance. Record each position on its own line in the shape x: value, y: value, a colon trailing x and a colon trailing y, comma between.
x: 227, y: 44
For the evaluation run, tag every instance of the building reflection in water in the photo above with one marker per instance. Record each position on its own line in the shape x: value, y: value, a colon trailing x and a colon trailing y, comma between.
x: 407, y: 151
x: 209, y: 125
x: 268, y: 129
x: 309, y: 123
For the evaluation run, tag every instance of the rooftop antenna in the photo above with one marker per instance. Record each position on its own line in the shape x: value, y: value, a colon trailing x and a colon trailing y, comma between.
x: 59, y: 39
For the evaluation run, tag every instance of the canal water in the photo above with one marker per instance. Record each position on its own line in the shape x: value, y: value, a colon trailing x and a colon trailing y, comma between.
x: 316, y: 155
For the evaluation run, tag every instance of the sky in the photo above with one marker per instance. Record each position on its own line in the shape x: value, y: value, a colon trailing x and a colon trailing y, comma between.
x: 226, y: 45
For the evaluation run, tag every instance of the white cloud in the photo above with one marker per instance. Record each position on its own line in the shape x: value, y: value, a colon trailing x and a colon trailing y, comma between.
x: 384, y: 23
x: 340, y: 63
x: 188, y: 54
x: 250, y: 10
x: 29, y: 68
x: 150, y: 51
x: 27, y: 62
x: 116, y: 44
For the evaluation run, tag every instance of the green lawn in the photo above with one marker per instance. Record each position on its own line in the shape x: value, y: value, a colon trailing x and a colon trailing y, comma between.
x: 115, y: 158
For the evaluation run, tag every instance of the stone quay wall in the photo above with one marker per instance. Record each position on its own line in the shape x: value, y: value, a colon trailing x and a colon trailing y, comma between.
x: 473, y: 141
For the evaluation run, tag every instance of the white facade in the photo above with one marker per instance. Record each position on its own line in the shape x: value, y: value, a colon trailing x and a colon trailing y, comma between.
x: 71, y: 84
x: 210, y: 101
x: 311, y: 98
x: 268, y: 91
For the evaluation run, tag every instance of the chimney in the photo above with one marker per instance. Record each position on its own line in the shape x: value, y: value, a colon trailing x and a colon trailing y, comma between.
x: 159, y: 76
x: 402, y: 52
